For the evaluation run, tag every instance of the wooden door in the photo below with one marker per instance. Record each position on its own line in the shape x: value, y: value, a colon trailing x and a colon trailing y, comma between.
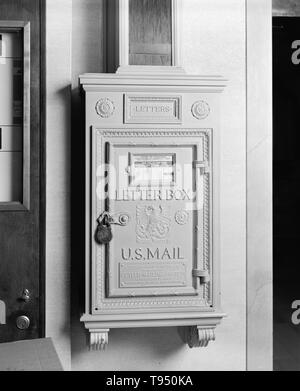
x: 21, y: 210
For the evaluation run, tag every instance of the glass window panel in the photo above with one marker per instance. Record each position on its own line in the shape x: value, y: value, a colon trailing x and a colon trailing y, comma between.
x: 156, y: 169
x: 11, y: 116
x: 150, y: 32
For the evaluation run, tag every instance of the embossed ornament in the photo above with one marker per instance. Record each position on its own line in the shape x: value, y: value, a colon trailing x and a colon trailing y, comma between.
x: 200, y: 109
x: 152, y: 223
x: 181, y: 217
x: 105, y: 108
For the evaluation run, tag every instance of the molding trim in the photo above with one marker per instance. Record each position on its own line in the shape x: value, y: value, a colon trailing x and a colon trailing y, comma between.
x: 123, y: 33
x: 173, y: 103
x: 171, y: 82
x: 259, y: 185
x: 176, y: 33
x: 99, y: 301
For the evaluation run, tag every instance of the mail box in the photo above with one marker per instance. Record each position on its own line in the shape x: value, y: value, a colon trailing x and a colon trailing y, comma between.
x: 152, y: 204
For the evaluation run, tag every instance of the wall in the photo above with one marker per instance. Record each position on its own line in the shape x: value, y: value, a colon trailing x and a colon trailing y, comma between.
x: 214, y: 42
x: 58, y: 99
x: 259, y: 186
x: 220, y: 49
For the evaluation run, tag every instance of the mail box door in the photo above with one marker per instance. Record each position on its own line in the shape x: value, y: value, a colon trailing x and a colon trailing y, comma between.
x: 154, y: 188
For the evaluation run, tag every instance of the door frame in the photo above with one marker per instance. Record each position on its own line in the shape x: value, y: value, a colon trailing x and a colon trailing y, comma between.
x: 24, y: 26
x: 259, y: 185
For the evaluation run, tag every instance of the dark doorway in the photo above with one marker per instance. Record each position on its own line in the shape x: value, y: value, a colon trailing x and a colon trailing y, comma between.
x: 286, y: 136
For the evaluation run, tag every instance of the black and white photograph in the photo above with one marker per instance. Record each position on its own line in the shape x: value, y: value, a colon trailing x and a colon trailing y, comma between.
x: 149, y: 188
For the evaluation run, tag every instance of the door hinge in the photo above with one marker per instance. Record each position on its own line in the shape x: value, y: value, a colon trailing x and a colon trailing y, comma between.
x: 202, y: 274
x: 203, y: 166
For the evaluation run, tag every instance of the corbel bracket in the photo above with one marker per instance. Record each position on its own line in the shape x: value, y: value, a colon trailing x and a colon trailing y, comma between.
x: 98, y: 339
x: 202, y: 274
x: 197, y: 336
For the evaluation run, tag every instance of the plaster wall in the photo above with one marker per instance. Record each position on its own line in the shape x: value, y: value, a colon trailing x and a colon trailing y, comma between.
x: 214, y: 42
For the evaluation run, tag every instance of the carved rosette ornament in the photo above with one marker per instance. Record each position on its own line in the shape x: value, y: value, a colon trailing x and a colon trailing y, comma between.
x: 197, y: 336
x: 98, y: 339
x: 181, y: 217
x: 200, y: 109
x: 105, y: 108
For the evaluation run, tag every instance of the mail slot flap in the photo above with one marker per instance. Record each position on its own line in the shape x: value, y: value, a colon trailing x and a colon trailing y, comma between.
x: 11, y: 139
x: 11, y: 44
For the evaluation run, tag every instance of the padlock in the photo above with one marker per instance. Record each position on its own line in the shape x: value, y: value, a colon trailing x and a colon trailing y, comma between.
x: 103, y: 233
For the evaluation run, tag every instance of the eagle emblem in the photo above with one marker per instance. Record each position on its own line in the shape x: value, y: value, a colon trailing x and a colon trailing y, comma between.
x: 152, y: 223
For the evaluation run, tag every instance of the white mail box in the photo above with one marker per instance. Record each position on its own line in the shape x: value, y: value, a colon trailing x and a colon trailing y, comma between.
x: 152, y: 204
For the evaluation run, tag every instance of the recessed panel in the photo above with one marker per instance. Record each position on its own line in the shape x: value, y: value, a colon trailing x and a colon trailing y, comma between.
x: 160, y: 232
x: 11, y: 92
x: 11, y: 176
x: 10, y: 45
x: 152, y: 274
x: 153, y: 109
x: 11, y: 139
x: 155, y: 193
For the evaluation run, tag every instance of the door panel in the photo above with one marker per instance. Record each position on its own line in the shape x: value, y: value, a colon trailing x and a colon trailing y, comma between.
x: 11, y: 172
x: 153, y: 252
x: 21, y: 217
x: 153, y: 192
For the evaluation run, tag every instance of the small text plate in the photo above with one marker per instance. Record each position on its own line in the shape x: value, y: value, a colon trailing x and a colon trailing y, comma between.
x: 152, y: 109
x: 152, y: 274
